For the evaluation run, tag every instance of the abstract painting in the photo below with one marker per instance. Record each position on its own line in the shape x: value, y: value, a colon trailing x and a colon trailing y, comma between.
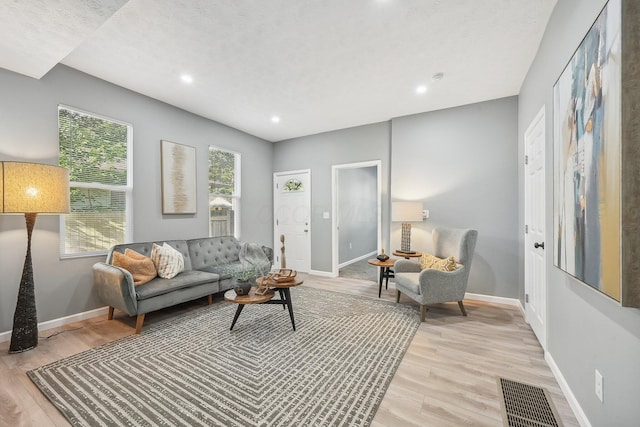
x: 178, y: 178
x: 587, y: 147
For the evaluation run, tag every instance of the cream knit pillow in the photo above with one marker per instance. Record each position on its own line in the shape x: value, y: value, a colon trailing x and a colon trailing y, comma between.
x: 168, y: 261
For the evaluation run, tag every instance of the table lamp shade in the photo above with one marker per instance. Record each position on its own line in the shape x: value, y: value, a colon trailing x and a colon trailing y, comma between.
x: 34, y: 188
x: 406, y: 211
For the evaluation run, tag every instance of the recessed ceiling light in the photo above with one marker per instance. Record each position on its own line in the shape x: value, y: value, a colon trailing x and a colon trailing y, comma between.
x: 437, y: 76
x: 186, y: 78
x: 421, y: 89
x: 275, y: 119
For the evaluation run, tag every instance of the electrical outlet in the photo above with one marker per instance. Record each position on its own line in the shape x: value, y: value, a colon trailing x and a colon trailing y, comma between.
x: 350, y: 245
x: 425, y: 214
x: 599, y: 386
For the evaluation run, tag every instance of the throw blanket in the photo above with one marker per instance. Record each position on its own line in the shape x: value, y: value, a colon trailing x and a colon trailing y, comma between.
x: 252, y: 255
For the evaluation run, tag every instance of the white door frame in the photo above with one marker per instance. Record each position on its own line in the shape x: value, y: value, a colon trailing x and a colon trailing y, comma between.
x: 276, y: 239
x: 529, y: 286
x: 334, y: 206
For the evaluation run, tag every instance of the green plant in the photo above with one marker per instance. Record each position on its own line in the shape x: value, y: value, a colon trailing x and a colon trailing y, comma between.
x: 247, y: 273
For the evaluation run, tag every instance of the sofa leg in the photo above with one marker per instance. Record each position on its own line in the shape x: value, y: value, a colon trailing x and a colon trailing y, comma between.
x: 139, y: 322
x: 423, y: 312
x: 397, y: 296
x: 110, y: 314
x: 464, y: 312
x: 210, y: 299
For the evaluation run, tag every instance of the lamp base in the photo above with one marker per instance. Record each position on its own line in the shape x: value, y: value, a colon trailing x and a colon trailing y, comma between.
x: 24, y: 335
x: 405, y: 243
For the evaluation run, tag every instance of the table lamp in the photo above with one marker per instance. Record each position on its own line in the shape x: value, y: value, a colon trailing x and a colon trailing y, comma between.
x: 30, y: 189
x: 406, y: 212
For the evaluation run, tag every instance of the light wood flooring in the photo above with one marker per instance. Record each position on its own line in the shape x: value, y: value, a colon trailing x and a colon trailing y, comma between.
x: 447, y: 377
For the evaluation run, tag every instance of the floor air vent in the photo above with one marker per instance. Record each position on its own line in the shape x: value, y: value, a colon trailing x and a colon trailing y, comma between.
x: 524, y: 405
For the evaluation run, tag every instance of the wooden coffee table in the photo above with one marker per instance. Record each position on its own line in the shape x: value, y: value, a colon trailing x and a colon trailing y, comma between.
x: 385, y: 271
x: 253, y: 298
x: 407, y: 255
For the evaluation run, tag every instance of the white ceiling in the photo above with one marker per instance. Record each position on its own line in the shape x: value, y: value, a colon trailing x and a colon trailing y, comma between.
x: 318, y: 64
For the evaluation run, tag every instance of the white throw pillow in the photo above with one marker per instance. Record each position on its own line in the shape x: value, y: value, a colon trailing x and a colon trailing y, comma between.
x: 168, y: 261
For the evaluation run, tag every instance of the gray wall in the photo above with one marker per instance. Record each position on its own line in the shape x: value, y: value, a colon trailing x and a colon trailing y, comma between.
x: 320, y: 152
x: 462, y: 164
x: 585, y: 330
x: 357, y: 212
x: 28, y: 119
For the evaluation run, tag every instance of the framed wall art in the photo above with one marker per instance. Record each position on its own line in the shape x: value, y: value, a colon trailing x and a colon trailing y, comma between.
x: 590, y: 134
x: 178, y: 164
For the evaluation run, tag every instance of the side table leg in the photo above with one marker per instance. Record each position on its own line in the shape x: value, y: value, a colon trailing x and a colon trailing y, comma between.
x: 380, y: 281
x: 287, y: 294
x: 238, y: 311
x: 284, y: 305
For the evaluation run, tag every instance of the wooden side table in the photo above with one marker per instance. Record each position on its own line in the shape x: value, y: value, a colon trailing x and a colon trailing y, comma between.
x: 406, y: 255
x: 385, y: 271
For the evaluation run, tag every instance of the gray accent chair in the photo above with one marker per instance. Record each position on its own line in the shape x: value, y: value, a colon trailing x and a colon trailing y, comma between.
x: 431, y: 286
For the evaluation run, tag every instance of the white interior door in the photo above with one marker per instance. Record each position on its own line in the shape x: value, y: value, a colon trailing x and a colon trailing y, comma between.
x: 292, y: 217
x: 534, y: 206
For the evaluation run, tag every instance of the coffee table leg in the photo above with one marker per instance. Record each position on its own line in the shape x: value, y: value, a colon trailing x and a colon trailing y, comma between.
x: 381, y: 278
x: 238, y: 311
x: 287, y: 294
x: 284, y: 305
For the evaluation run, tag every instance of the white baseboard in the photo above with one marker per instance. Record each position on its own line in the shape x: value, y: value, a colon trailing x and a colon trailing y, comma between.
x: 568, y: 394
x: 492, y: 299
x: 50, y: 324
x: 360, y: 258
x: 323, y: 273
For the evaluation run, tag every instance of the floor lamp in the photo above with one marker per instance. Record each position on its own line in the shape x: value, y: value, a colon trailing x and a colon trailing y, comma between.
x: 406, y: 212
x: 30, y: 189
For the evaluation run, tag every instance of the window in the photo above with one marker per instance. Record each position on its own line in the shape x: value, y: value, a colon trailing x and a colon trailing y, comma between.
x: 224, y: 192
x: 97, y: 152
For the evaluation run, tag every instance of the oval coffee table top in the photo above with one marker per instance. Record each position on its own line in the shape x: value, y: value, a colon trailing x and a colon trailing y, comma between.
x: 252, y: 298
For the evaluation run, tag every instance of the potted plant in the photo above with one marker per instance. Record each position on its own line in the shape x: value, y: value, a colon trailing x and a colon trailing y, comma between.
x: 244, y: 279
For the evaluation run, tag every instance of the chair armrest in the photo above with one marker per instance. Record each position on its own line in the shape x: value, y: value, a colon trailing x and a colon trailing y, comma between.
x: 115, y: 287
x: 406, y: 266
x: 443, y: 286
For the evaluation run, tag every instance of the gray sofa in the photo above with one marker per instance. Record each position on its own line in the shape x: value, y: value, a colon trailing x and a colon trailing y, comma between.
x: 208, y: 267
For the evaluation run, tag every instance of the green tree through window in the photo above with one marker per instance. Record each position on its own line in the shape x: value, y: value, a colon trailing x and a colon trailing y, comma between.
x: 224, y: 192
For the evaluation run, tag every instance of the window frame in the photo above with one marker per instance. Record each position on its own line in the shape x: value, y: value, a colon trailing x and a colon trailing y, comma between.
x: 236, y: 196
x: 127, y: 189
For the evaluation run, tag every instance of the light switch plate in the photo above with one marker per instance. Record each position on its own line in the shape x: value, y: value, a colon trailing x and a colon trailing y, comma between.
x: 325, y: 215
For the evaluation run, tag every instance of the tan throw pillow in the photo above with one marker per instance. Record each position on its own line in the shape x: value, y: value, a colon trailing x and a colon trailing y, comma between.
x: 141, y: 268
x: 431, y: 261
x: 168, y: 261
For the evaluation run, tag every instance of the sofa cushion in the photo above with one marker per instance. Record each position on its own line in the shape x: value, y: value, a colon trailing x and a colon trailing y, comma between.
x: 159, y: 286
x: 224, y: 271
x: 145, y: 248
x: 141, y: 267
x: 212, y: 251
x: 168, y: 261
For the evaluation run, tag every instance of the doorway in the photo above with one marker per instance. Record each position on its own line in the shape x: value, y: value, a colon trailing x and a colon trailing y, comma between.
x: 356, y: 213
x: 292, y: 218
x: 535, y: 287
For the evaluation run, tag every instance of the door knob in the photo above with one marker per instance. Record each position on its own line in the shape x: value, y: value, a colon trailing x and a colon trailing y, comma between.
x: 306, y: 231
x: 538, y: 245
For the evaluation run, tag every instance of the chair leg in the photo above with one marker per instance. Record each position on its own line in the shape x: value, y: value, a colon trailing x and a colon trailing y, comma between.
x: 110, y: 314
x: 464, y: 312
x: 423, y: 312
x: 397, y: 296
x: 139, y: 322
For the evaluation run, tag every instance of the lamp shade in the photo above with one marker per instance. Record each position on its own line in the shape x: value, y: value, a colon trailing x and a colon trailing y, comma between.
x: 34, y: 188
x: 406, y: 211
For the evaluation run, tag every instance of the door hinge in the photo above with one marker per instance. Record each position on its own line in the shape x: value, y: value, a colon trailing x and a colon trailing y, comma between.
x: 526, y: 298
x: 277, y: 222
x: 526, y: 229
x: 526, y: 160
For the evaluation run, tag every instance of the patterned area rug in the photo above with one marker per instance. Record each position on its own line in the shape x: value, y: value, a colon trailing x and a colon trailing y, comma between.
x: 191, y: 370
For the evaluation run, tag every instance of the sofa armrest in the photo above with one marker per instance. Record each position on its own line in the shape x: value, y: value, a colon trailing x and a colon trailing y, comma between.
x: 441, y: 286
x: 115, y: 287
x: 268, y: 252
x: 406, y: 266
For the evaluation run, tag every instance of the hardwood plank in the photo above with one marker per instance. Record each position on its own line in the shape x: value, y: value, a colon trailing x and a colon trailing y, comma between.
x: 446, y: 378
